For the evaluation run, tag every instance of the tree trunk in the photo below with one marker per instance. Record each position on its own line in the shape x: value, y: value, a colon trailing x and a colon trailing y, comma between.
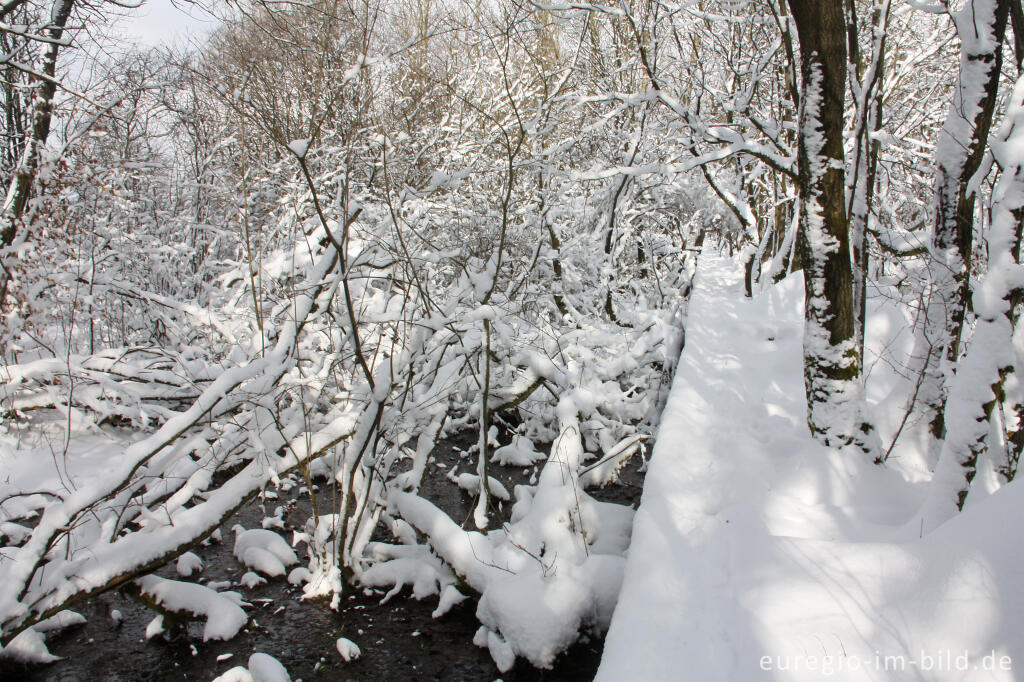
x: 831, y: 361
x: 1017, y: 21
x: 41, y: 111
x: 959, y: 151
x: 866, y: 80
x: 979, y: 389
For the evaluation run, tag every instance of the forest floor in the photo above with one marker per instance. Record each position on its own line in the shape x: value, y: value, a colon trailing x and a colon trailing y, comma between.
x: 398, y: 639
x: 759, y: 554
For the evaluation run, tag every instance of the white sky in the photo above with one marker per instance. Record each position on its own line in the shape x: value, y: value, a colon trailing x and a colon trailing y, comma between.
x: 160, y: 22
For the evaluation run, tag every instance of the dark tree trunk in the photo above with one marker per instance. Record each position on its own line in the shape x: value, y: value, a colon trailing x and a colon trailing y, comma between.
x: 41, y: 112
x: 1017, y: 21
x: 831, y: 361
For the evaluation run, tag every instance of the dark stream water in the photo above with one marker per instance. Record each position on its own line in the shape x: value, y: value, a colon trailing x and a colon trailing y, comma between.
x: 399, y: 640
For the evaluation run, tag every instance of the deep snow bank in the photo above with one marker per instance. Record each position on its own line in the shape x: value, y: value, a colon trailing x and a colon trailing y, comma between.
x: 758, y: 554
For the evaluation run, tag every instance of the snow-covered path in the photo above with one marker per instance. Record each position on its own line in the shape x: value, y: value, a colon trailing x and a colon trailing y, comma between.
x: 755, y: 549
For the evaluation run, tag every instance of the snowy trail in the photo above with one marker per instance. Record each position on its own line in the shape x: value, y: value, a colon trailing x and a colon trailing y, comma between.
x: 755, y: 549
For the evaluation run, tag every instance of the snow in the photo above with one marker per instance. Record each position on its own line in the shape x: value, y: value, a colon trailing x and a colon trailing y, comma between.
x: 155, y: 627
x: 471, y: 484
x: 348, y: 649
x: 28, y: 647
x: 299, y: 147
x: 401, y: 565
x: 236, y: 674
x: 242, y: 355
x: 548, y: 575
x: 538, y: 616
x: 261, y: 668
x: 263, y: 561
x: 189, y: 563
x: 299, y: 575
x: 224, y: 616
x: 251, y: 580
x: 266, y: 668
x: 520, y: 452
x: 501, y: 652
x: 450, y: 596
x: 60, y: 621
x: 606, y: 470
x: 758, y: 553
x: 264, y: 551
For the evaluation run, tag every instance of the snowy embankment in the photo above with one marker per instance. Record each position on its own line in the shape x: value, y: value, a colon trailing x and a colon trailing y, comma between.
x: 759, y: 554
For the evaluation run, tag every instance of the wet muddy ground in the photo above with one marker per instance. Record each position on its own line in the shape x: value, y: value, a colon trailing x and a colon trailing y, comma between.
x: 399, y: 640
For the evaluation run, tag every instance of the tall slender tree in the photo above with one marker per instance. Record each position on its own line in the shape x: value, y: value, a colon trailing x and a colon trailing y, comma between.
x: 41, y: 115
x: 831, y: 359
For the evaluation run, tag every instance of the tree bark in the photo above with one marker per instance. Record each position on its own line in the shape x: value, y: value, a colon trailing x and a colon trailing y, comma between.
x: 980, y: 388
x: 41, y: 112
x: 1017, y: 21
x: 831, y: 360
x: 959, y: 151
x: 866, y: 82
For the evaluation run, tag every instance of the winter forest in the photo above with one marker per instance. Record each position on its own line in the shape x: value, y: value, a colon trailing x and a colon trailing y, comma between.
x: 443, y: 339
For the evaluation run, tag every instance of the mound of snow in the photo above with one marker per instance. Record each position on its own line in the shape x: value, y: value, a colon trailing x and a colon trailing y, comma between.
x: 299, y: 575
x: 251, y: 580
x: 520, y: 452
x: 401, y: 565
x: 237, y: 674
x: 262, y: 668
x: 273, y: 522
x: 189, y: 563
x: 501, y: 652
x: 606, y: 470
x: 348, y: 649
x: 155, y: 627
x: 264, y: 551
x: 263, y: 561
x: 471, y: 484
x: 266, y: 668
x: 28, y: 647
x: 224, y: 616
